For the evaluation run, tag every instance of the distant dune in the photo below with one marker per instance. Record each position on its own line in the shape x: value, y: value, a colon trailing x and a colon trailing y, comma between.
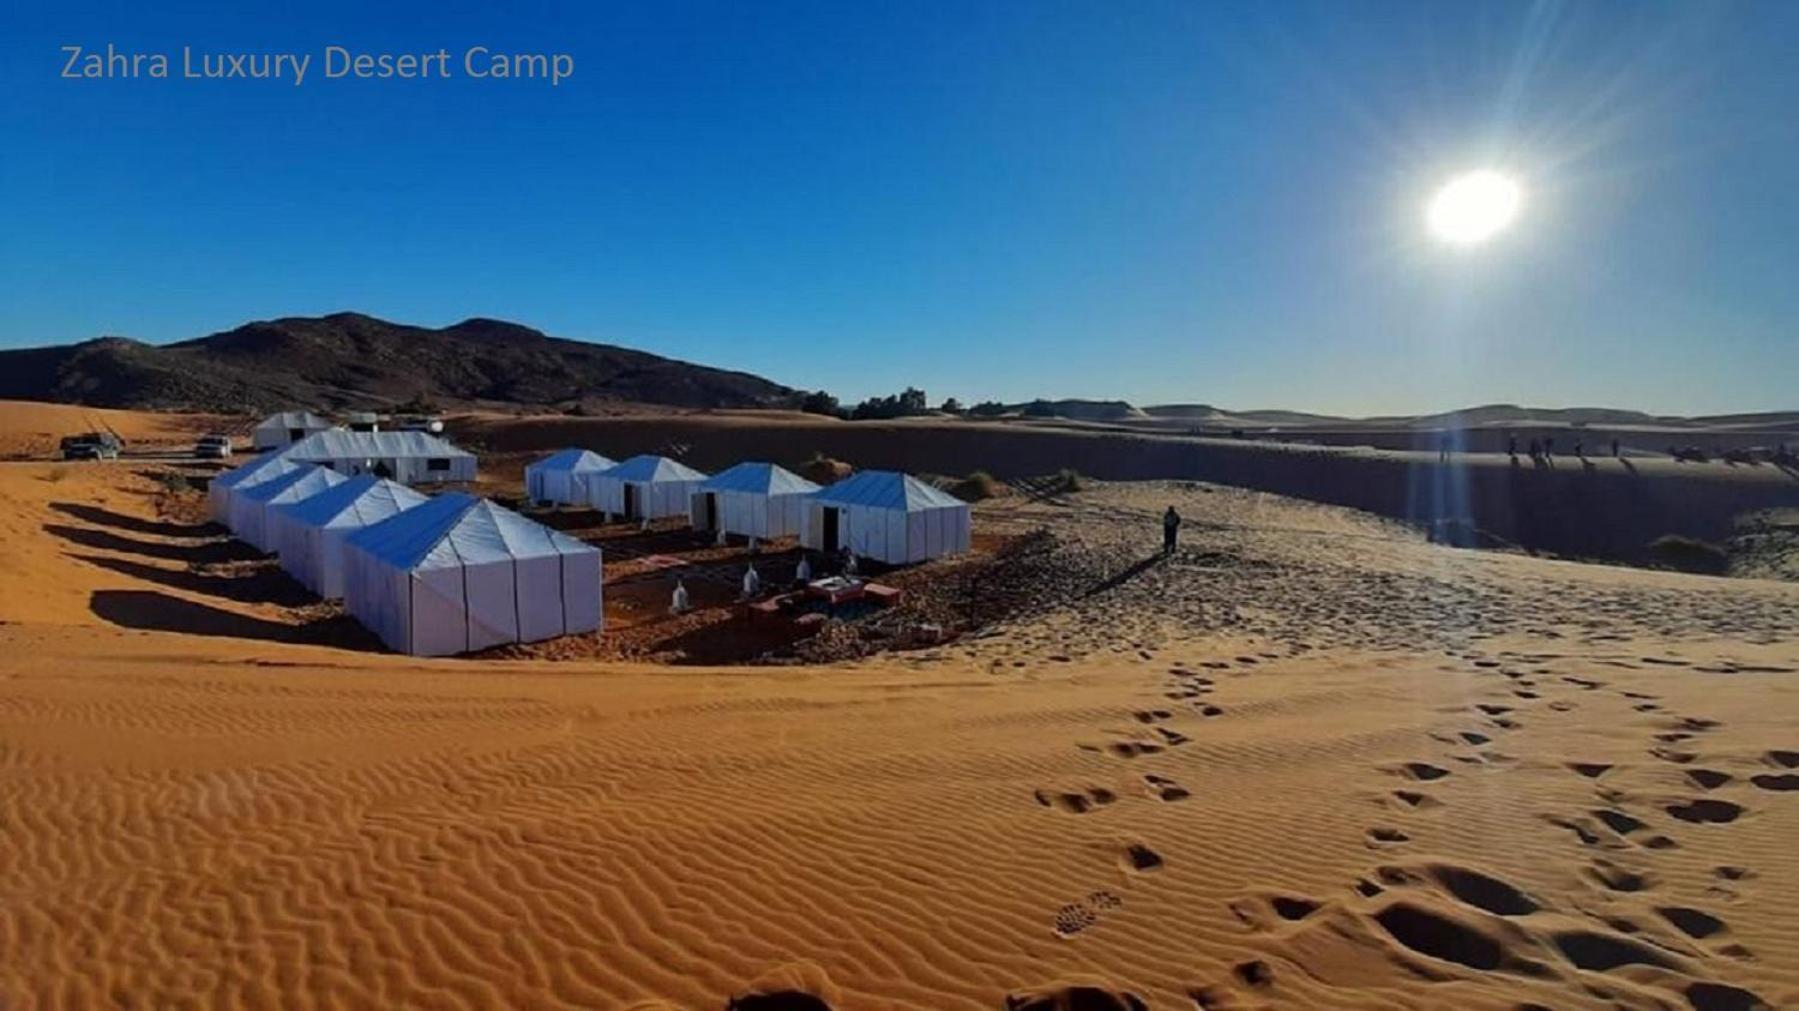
x: 1603, y: 508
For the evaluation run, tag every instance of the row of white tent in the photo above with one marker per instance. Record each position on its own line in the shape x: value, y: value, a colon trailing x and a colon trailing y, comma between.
x: 883, y: 515
x: 429, y: 575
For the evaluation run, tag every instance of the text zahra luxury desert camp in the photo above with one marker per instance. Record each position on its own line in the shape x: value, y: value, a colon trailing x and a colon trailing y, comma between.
x: 333, y: 63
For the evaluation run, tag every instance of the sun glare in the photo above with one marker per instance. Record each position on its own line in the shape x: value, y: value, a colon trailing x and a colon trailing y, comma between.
x: 1472, y: 208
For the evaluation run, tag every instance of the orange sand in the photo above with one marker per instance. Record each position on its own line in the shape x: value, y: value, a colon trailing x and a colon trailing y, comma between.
x: 1222, y: 783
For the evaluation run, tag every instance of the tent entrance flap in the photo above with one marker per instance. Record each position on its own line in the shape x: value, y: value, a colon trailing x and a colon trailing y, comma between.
x: 711, y: 511
x: 829, y: 533
x: 630, y: 503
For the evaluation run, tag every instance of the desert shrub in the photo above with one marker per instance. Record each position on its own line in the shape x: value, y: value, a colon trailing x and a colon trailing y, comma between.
x: 823, y: 470
x: 1688, y: 554
x: 56, y: 474
x: 977, y: 487
x: 173, y: 483
x: 1069, y: 480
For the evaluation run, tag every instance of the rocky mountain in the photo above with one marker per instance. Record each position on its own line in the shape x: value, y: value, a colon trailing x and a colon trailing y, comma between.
x: 349, y: 360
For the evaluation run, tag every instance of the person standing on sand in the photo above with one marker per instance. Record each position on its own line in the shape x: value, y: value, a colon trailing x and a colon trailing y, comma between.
x: 1614, y: 449
x: 1171, y: 525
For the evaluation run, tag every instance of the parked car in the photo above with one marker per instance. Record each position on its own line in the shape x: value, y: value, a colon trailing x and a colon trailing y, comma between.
x: 213, y: 447
x: 92, y: 446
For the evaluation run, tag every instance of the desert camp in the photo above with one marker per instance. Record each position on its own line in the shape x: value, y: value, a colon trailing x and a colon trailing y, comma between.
x: 994, y: 506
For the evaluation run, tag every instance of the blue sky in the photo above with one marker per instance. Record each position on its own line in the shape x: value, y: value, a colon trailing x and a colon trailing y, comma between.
x: 1163, y: 202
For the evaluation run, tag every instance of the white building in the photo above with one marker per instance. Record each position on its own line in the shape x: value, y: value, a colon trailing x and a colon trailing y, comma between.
x: 286, y: 428
x: 309, y: 534
x: 457, y: 574
x: 407, y: 457
x: 556, y: 478
x: 887, y: 516
x: 250, y: 507
x: 643, y: 488
x: 752, y: 499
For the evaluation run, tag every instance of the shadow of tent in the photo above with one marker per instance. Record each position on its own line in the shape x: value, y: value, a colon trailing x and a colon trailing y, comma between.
x: 199, y: 554
x: 135, y: 524
x: 265, y: 585
x: 154, y: 611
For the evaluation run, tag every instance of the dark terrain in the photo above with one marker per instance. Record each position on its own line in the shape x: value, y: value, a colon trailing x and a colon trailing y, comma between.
x: 347, y: 360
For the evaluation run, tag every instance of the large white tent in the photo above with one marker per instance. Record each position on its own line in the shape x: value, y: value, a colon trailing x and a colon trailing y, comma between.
x: 457, y: 574
x: 286, y: 428
x: 309, y: 534
x: 555, y: 477
x: 887, y: 516
x: 643, y: 487
x: 752, y: 499
x: 251, y: 507
x: 221, y: 490
x: 406, y: 457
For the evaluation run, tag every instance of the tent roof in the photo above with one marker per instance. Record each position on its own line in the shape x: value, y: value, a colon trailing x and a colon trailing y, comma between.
x: 364, y: 499
x: 573, y: 460
x: 270, y: 464
x: 886, y: 489
x: 648, y: 467
x: 456, y: 529
x: 293, y: 419
x: 339, y: 444
x: 296, y: 484
x: 759, y: 479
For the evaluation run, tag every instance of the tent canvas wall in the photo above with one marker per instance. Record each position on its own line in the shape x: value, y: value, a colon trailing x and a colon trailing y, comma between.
x: 890, y: 517
x: 555, y: 478
x: 250, y: 507
x: 286, y: 428
x: 220, y: 489
x: 753, y: 500
x: 406, y: 457
x: 229, y: 488
x: 643, y: 487
x: 309, y: 534
x: 458, y: 573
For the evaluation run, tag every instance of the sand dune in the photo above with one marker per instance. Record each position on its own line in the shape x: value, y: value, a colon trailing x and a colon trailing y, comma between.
x: 1309, y: 761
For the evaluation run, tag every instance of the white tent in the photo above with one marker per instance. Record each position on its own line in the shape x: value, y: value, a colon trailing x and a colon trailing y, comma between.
x: 457, y: 574
x: 643, y: 487
x: 553, y: 478
x: 752, y: 499
x: 406, y: 457
x: 309, y: 534
x: 286, y: 428
x: 250, y: 507
x: 225, y: 487
x: 890, y: 517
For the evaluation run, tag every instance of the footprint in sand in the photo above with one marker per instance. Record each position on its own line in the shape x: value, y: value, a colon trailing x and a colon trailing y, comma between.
x: 1620, y: 879
x: 1076, y: 802
x: 1064, y: 997
x: 1152, y: 715
x: 1420, y: 771
x: 1782, y: 782
x: 1140, y: 858
x: 1707, y: 779
x: 1386, y: 835
x: 1706, y: 811
x: 1591, y: 770
x: 1075, y: 917
x: 1166, y: 789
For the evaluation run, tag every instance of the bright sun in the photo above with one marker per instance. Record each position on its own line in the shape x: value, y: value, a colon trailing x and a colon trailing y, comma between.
x: 1472, y: 208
